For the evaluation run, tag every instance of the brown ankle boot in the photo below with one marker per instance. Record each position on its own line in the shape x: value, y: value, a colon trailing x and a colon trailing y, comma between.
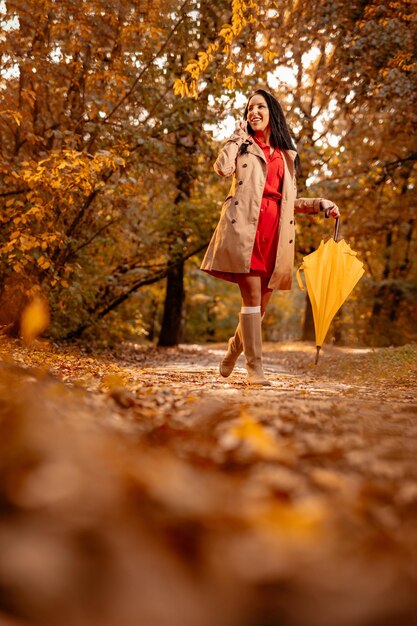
x: 250, y: 326
x: 234, y: 349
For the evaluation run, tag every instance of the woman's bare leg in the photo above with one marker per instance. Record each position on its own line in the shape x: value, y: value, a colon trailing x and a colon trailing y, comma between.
x: 250, y: 290
x: 254, y: 291
x: 265, y: 294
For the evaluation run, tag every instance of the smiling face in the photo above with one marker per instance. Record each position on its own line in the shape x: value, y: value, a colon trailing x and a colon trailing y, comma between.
x: 258, y: 113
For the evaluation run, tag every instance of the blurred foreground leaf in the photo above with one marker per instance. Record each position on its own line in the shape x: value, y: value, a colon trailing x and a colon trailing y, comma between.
x: 35, y: 319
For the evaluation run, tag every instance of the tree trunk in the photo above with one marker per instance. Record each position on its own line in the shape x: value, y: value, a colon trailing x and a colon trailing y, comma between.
x: 172, y: 330
x: 186, y: 139
x: 153, y: 318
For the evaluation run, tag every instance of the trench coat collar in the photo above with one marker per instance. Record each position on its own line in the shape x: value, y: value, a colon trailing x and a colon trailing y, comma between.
x: 289, y: 158
x: 291, y: 153
x: 254, y: 148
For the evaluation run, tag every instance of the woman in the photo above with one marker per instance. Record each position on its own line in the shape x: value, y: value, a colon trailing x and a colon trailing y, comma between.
x: 253, y: 244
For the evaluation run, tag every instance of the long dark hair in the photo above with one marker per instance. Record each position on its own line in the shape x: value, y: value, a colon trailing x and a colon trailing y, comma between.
x: 281, y: 136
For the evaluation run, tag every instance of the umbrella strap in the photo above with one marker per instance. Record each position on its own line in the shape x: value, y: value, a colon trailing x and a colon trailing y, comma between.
x: 298, y: 275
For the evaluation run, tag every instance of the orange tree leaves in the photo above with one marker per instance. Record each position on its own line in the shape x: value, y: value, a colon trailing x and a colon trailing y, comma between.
x: 95, y: 143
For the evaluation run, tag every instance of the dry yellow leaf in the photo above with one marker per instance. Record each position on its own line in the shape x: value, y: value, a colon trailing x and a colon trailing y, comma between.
x: 112, y: 381
x: 35, y: 319
x: 259, y: 439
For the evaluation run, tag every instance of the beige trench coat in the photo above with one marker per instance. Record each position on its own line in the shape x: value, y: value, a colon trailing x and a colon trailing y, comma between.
x: 230, y: 248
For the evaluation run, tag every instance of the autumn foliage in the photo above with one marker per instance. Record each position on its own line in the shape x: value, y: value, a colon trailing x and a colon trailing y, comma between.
x: 106, y: 128
x: 137, y: 486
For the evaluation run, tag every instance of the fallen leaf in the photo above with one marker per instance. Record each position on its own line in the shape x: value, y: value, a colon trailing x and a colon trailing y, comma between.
x: 35, y: 319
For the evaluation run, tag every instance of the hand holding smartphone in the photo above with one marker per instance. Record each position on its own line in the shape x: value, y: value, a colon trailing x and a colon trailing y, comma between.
x: 242, y: 125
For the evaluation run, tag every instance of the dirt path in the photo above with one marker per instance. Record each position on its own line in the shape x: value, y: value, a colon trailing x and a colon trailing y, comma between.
x: 141, y: 488
x: 290, y: 369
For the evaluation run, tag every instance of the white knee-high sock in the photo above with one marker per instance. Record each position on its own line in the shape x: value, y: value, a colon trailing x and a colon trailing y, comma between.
x: 250, y: 309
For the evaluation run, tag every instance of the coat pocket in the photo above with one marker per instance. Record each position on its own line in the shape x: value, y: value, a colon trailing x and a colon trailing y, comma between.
x: 229, y: 209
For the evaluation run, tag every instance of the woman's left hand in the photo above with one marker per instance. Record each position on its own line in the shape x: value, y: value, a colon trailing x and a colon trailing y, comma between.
x: 327, y: 204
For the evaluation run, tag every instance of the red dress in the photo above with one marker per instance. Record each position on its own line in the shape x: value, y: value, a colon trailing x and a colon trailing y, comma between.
x: 266, y: 238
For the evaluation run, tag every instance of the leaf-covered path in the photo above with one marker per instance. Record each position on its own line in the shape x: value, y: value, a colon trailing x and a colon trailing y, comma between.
x: 141, y: 488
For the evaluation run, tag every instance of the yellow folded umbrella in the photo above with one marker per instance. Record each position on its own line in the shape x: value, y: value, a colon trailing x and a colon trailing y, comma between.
x: 331, y: 273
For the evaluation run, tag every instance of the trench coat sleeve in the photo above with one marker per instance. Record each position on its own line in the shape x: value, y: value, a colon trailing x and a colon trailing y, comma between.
x: 225, y: 163
x: 306, y: 205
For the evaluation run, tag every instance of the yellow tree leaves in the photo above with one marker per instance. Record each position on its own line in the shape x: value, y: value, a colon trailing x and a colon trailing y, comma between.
x: 382, y: 11
x: 270, y: 55
x: 386, y: 17
x: 14, y: 114
x: 70, y: 171
x: 187, y: 86
x: 242, y: 14
x: 58, y: 185
x: 404, y: 61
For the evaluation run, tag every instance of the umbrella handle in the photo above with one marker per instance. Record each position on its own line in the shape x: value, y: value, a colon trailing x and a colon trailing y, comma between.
x: 336, y: 229
x: 336, y: 223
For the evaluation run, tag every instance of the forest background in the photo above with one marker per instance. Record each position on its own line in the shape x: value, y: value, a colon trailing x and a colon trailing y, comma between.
x: 110, y: 119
